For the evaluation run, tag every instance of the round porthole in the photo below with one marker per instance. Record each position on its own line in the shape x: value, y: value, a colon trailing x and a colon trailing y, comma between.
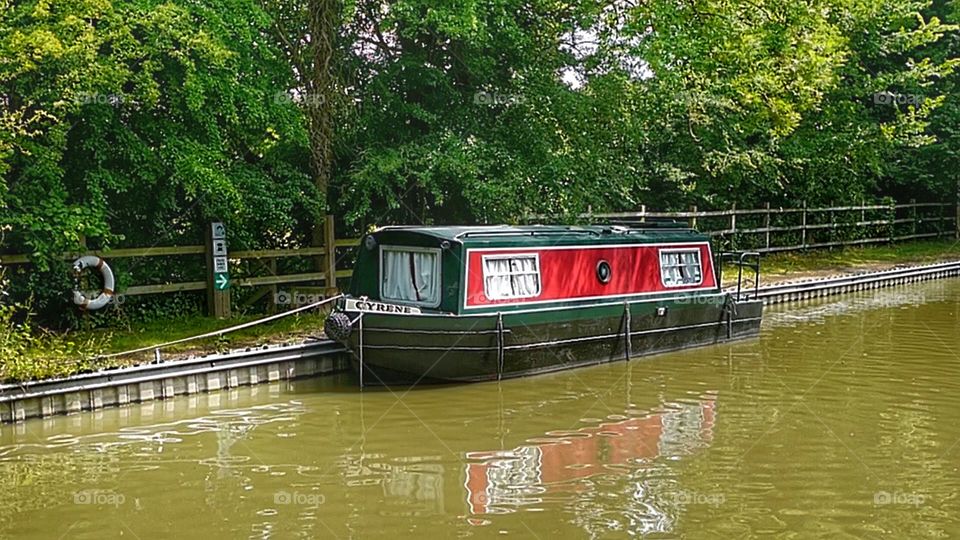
x: 603, y: 272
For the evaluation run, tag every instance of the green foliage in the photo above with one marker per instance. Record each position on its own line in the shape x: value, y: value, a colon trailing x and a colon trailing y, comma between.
x: 675, y: 103
x: 14, y: 337
x: 135, y: 122
x: 28, y: 353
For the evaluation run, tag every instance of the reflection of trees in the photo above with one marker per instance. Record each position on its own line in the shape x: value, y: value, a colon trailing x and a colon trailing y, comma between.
x: 39, y: 481
x: 859, y: 385
x: 645, y: 503
x: 422, y: 483
x: 46, y: 476
x: 224, y: 479
x: 413, y: 485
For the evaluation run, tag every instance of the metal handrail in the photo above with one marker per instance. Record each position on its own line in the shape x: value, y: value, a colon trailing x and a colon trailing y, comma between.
x: 741, y: 259
x: 469, y: 234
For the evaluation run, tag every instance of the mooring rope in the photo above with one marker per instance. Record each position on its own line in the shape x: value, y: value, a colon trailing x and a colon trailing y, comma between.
x: 224, y: 330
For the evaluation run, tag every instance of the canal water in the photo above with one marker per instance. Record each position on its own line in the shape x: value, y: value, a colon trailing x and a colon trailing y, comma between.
x: 841, y: 421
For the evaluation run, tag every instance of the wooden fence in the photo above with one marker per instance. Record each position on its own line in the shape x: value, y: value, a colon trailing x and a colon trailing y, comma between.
x: 325, y: 257
x: 771, y: 229
x: 767, y: 229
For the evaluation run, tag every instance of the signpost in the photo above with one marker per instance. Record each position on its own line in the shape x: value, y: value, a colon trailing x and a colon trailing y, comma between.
x: 218, y: 271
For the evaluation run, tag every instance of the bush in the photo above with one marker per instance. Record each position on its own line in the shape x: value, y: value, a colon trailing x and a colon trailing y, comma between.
x: 26, y: 354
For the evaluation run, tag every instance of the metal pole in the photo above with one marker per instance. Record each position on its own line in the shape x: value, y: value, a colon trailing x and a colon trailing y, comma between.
x: 361, y: 350
x: 499, y: 346
x: 739, y: 275
x: 729, y: 310
x: 626, y: 315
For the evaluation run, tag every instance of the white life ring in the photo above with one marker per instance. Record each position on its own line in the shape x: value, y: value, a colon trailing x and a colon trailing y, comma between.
x: 91, y: 261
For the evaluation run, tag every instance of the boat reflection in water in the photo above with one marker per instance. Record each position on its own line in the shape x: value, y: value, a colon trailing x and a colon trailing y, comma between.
x: 560, y: 466
x: 633, y: 459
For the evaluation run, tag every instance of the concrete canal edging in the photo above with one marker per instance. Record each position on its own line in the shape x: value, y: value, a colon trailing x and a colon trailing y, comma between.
x: 137, y: 384
x: 793, y: 291
x: 147, y: 382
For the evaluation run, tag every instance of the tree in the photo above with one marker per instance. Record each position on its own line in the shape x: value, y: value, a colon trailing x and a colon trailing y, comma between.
x: 141, y: 120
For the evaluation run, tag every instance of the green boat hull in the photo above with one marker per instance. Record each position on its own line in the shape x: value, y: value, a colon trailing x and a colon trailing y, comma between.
x: 406, y: 349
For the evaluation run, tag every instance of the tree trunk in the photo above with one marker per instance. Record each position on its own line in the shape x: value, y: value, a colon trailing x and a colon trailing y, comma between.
x: 320, y: 99
x: 321, y: 87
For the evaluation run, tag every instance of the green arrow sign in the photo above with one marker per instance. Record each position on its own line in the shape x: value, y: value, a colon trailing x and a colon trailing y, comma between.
x: 221, y: 281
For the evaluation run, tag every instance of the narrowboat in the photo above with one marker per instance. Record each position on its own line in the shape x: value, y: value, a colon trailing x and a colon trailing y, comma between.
x: 465, y: 304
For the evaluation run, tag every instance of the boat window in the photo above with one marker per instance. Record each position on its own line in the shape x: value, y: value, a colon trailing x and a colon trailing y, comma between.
x: 511, y: 276
x: 680, y: 267
x: 410, y: 275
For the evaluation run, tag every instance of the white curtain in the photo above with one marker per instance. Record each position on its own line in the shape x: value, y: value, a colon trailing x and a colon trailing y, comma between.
x: 512, y: 277
x: 526, y: 282
x: 691, y: 262
x: 673, y: 276
x: 680, y: 268
x: 669, y: 270
x: 497, y: 272
x: 411, y: 276
x: 428, y: 281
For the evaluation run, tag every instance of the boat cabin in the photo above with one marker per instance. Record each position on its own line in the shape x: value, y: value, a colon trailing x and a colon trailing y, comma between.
x: 476, y: 270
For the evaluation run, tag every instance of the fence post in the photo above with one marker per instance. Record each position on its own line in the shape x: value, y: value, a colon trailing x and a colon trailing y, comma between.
x: 940, y: 221
x: 272, y: 299
x: 803, y: 227
x: 330, y: 255
x: 913, y: 215
x: 218, y: 277
x: 766, y: 224
x: 733, y: 226
x: 693, y: 218
x: 643, y: 213
x: 893, y: 220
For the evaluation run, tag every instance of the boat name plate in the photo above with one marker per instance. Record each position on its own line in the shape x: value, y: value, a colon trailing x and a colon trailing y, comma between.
x: 379, y: 307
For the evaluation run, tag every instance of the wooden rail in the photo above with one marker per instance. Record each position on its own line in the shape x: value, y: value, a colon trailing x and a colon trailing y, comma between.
x: 195, y: 250
x: 326, y: 254
x: 734, y: 231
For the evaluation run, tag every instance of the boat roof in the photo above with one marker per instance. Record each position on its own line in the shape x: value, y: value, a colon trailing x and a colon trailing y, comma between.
x: 484, y: 234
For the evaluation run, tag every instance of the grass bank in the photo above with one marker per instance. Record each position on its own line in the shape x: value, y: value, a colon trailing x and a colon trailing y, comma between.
x: 47, y: 355
x: 790, y: 266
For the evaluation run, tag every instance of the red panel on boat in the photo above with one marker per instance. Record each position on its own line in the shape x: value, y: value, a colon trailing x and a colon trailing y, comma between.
x: 571, y: 272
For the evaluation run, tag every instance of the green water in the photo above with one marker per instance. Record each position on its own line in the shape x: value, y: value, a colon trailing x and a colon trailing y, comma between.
x: 841, y: 421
